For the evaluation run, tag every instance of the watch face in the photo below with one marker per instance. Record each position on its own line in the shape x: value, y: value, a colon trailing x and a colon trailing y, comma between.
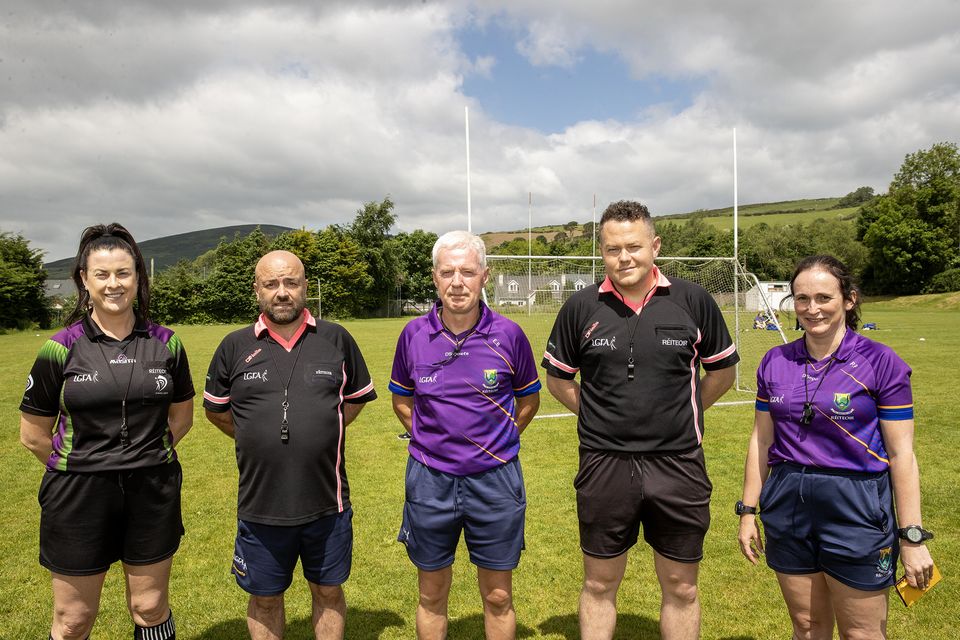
x: 914, y: 534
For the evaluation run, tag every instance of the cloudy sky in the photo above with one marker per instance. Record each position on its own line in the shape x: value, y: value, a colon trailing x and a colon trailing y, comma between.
x: 180, y: 115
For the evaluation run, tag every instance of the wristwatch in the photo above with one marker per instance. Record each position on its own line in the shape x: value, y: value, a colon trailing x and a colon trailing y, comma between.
x: 742, y: 509
x: 914, y: 533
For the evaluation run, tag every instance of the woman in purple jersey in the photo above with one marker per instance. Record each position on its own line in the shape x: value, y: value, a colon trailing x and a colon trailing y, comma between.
x: 830, y: 467
x: 106, y: 401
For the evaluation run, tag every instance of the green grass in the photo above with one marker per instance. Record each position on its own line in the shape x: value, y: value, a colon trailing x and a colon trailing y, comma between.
x: 739, y: 601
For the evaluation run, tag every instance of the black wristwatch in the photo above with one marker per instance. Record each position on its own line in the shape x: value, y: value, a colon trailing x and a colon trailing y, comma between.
x: 742, y: 509
x: 914, y: 533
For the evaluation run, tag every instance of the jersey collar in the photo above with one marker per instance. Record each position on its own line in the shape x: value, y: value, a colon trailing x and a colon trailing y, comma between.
x: 95, y: 333
x: 607, y: 287
x: 848, y: 346
x: 261, y: 327
x: 482, y: 326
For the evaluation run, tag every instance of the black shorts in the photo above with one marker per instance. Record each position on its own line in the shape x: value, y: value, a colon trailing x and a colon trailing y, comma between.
x: 669, y: 495
x: 88, y: 521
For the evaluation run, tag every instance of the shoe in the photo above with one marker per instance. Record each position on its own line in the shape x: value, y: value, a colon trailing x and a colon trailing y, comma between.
x: 403, y: 436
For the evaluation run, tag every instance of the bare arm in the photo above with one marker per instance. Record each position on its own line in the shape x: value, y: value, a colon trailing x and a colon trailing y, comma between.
x: 716, y: 383
x: 222, y: 421
x: 905, y: 477
x: 36, y: 434
x: 351, y: 411
x: 754, y: 475
x: 566, y: 391
x: 403, y: 407
x: 180, y: 419
x: 527, y: 407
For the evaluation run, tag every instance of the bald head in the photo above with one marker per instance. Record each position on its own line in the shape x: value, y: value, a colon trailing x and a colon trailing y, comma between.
x: 280, y: 285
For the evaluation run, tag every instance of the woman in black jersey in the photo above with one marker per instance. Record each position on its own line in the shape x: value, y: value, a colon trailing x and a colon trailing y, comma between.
x: 106, y: 401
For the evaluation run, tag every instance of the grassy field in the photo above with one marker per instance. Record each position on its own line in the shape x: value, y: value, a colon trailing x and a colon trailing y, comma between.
x: 740, y: 601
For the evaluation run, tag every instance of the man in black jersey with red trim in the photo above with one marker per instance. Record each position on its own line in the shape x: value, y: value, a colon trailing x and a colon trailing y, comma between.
x: 639, y: 340
x: 285, y: 389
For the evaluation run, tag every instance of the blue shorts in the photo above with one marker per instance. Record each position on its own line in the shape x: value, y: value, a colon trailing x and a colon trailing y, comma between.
x: 265, y: 555
x: 841, y: 523
x: 489, y: 508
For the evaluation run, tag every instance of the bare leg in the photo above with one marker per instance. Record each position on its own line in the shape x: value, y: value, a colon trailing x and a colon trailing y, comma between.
x: 76, y: 600
x: 861, y: 615
x: 598, y: 598
x: 808, y: 600
x: 148, y: 595
x: 432, y: 609
x: 266, y: 617
x: 496, y: 590
x: 329, y: 611
x: 680, y: 603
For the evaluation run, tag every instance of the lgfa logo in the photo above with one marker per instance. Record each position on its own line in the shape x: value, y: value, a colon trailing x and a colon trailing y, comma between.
x: 256, y: 375
x: 605, y: 342
x: 87, y: 377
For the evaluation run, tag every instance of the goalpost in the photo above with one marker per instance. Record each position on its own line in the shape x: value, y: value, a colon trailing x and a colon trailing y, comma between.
x: 531, y: 289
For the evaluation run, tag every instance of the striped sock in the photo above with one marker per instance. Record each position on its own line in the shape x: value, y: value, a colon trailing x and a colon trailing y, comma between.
x: 163, y: 631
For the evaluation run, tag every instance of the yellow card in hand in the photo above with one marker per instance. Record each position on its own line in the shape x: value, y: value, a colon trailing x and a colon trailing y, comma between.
x: 909, y: 594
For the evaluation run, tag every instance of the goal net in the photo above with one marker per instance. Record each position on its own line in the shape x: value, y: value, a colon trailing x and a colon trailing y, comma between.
x: 531, y: 289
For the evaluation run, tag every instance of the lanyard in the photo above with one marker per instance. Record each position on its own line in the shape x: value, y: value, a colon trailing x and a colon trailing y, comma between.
x: 284, y: 425
x: 124, y: 432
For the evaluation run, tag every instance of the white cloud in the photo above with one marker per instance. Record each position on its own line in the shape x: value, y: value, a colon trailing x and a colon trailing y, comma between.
x: 180, y: 115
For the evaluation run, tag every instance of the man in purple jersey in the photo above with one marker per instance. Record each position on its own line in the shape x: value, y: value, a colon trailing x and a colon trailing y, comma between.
x: 464, y: 386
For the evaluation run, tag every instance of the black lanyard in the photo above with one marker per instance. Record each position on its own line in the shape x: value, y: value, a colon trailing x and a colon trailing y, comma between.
x: 124, y: 432
x: 807, y: 416
x: 626, y: 318
x: 284, y: 425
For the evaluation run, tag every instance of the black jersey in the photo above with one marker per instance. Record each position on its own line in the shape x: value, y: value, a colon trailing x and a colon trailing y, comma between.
x: 83, y: 375
x: 298, y: 481
x: 678, y: 329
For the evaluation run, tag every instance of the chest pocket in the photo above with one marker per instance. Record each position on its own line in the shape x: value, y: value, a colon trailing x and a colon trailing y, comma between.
x: 784, y: 400
x: 319, y: 374
x: 428, y: 380
x: 674, y: 344
x: 156, y: 381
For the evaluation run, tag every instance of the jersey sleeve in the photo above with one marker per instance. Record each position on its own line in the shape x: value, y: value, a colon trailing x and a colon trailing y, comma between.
x: 42, y: 394
x: 216, y: 391
x: 525, y: 378
x: 359, y: 384
x: 763, y: 392
x: 562, y: 356
x: 401, y: 381
x: 894, y: 394
x: 182, y: 380
x: 717, y: 349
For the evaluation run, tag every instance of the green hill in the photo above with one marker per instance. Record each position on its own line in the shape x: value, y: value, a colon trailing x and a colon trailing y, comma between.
x: 169, y: 250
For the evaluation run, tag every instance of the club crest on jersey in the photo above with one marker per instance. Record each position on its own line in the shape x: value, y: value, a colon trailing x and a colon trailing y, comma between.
x: 29, y: 382
x: 490, y: 379
x: 161, y: 383
x: 841, y: 407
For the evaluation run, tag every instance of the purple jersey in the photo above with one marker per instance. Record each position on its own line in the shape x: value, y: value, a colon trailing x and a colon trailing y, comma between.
x: 862, y: 383
x: 464, y: 399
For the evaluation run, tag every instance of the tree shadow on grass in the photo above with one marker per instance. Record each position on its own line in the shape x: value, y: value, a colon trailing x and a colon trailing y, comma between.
x: 362, y: 624
x: 629, y: 627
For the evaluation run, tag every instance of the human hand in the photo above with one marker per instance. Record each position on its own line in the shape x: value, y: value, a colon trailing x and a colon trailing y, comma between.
x: 917, y: 564
x: 751, y: 542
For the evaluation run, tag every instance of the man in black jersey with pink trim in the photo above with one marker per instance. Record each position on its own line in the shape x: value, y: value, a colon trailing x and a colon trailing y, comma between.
x: 638, y: 341
x: 285, y: 389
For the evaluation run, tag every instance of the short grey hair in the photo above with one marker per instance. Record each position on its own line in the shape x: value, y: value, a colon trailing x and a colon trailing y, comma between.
x: 460, y: 240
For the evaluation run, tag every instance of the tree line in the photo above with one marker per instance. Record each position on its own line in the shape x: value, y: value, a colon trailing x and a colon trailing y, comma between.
x: 904, y: 241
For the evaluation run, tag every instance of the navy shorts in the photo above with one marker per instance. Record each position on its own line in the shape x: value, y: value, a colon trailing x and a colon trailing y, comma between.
x: 265, y: 555
x: 840, y: 523
x: 489, y: 507
x: 88, y: 521
x: 669, y: 495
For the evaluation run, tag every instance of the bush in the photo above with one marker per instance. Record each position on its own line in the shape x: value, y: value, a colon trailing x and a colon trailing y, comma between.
x: 944, y: 282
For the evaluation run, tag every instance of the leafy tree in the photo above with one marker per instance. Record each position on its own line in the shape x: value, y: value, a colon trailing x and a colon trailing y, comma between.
x: 855, y: 198
x: 175, y: 295
x: 414, y: 255
x: 228, y: 292
x: 370, y: 229
x: 912, y: 232
x: 342, y: 271
x: 22, y: 279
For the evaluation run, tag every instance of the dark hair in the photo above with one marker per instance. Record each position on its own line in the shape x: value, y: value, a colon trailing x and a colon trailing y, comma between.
x: 109, y: 237
x: 628, y: 211
x: 848, y: 286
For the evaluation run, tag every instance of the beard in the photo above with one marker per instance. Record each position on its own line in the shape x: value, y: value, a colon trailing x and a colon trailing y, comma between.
x: 283, y: 314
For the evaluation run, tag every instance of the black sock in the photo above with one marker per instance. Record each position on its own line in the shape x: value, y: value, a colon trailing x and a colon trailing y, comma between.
x: 163, y: 631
